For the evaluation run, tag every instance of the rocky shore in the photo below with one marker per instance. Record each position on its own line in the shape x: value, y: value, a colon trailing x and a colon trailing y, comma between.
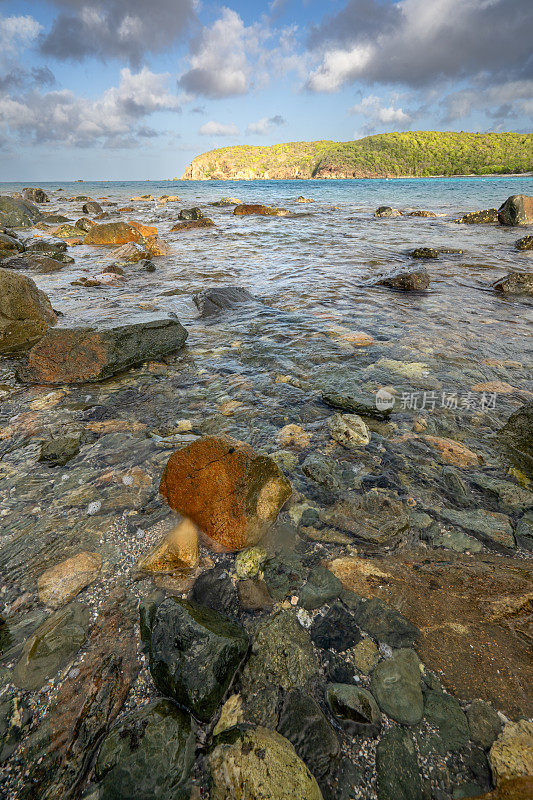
x: 223, y: 580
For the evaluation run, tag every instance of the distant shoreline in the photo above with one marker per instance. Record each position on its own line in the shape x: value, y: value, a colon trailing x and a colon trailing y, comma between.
x: 334, y: 178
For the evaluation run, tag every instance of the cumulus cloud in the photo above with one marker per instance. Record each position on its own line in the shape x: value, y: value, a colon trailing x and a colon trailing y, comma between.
x: 265, y: 125
x: 114, y: 119
x: 508, y: 100
x: 124, y: 29
x: 380, y: 115
x: 219, y: 63
x: 213, y: 128
x: 417, y: 43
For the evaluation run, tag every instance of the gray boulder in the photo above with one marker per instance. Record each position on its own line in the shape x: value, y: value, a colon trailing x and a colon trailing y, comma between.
x: 213, y: 301
x: 15, y: 212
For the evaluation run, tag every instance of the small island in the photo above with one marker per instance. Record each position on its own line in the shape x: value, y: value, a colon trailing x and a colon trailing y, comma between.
x: 388, y: 155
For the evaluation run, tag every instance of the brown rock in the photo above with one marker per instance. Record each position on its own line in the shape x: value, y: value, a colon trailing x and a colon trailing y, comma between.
x: 254, y: 595
x: 59, y: 584
x: 453, y: 452
x: 112, y: 233
x: 514, y: 789
x: 515, y: 283
x: 156, y: 246
x: 264, y: 211
x: 192, y: 224
x: 231, y: 492
x: 476, y: 652
x: 517, y: 210
x: 511, y: 755
x: 176, y: 553
x: 486, y: 217
x: 25, y: 312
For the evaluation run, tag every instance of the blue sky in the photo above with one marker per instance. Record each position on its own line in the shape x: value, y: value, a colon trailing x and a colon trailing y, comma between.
x: 133, y: 89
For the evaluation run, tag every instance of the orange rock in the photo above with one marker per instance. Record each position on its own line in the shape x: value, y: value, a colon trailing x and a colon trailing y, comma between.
x: 514, y: 789
x: 156, y: 246
x: 144, y: 230
x: 453, y: 452
x: 498, y: 387
x: 231, y: 492
x: 177, y: 552
x: 112, y: 233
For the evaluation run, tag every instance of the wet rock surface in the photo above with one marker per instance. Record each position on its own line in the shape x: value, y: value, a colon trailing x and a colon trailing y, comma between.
x: 25, y: 312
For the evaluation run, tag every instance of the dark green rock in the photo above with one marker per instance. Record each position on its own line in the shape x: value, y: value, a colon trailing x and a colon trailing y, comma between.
x: 355, y: 403
x: 52, y: 646
x: 524, y: 531
x: 381, y: 621
x: 406, y: 280
x: 148, y: 756
x: 396, y: 685
x: 214, y: 589
x: 494, y: 530
x: 425, y: 252
x: 304, y: 724
x: 509, y: 495
x: 190, y: 213
x: 484, y: 723
x: 15, y: 716
x: 516, y: 438
x: 354, y: 708
x: 444, y: 713
x: 336, y: 630
x: 194, y: 652
x: 217, y: 299
x: 56, y: 451
x: 398, y: 777
x: 321, y: 587
x: 323, y: 471
x: 284, y: 575
x: 282, y: 655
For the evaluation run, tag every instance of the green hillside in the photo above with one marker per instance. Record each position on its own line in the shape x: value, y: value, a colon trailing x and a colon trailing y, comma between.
x: 417, y: 153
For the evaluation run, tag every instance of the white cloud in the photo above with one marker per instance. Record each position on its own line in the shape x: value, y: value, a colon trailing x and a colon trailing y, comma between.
x: 16, y: 34
x: 265, y: 125
x: 213, y: 128
x: 372, y: 108
x: 114, y: 118
x: 219, y: 64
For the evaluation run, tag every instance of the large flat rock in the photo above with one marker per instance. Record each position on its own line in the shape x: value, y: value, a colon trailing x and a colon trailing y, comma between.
x: 93, y: 353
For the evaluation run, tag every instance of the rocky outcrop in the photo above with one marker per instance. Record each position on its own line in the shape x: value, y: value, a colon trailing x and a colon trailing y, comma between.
x: 387, y: 211
x: 486, y: 217
x: 16, y: 212
x: 25, y: 312
x: 517, y: 210
x: 84, y: 354
x: 35, y: 195
x: 231, y: 492
x: 406, y: 280
x: 92, y: 207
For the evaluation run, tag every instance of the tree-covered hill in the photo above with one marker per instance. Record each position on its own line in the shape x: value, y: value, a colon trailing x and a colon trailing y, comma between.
x: 416, y: 153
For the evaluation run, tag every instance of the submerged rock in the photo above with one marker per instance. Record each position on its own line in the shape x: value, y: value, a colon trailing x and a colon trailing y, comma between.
x: 511, y: 755
x: 484, y: 723
x: 228, y: 489
x: 517, y: 210
x: 354, y: 708
x: 264, y: 211
x: 25, y: 312
x: 260, y: 764
x: 516, y: 438
x: 387, y: 211
x: 193, y: 224
x: 213, y: 301
x: 336, y: 630
x: 355, y: 403
x: 381, y: 621
x: 488, y: 216
x: 9, y: 245
x: 425, y: 252
x: 443, y: 712
x: 421, y: 214
x: 321, y: 587
x: 304, y: 724
x: 52, y: 646
x: 406, y: 279
x: 215, y: 589
x: 61, y: 583
x: 177, y: 552
x: 148, y: 756
x: 515, y: 283
x: 194, y: 652
x: 494, y: 529
x: 85, y: 354
x: 396, y: 685
x: 397, y: 767
x: 349, y: 430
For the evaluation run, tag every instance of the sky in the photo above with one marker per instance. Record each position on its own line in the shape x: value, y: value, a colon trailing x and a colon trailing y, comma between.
x: 134, y: 89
